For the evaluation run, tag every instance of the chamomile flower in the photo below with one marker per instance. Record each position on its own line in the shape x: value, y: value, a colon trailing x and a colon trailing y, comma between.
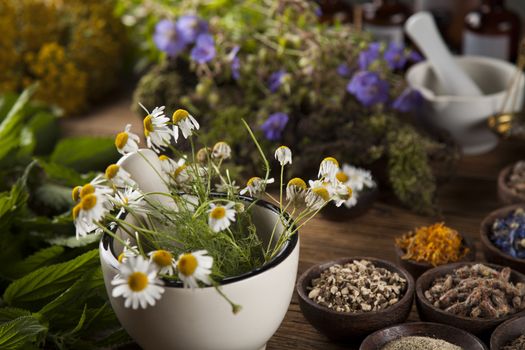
x: 128, y: 251
x: 137, y: 283
x: 185, y: 122
x: 342, y: 194
x: 203, y: 155
x: 167, y: 164
x: 296, y: 189
x: 126, y: 141
x: 181, y: 173
x: 221, y: 216
x: 82, y: 226
x: 318, y: 194
x: 118, y: 176
x: 221, y: 150
x: 164, y: 261
x: 356, y: 178
x: 94, y: 206
x: 130, y: 198
x: 255, y: 186
x: 328, y: 169
x: 352, y: 201
x: 284, y: 155
x: 193, y: 267
x: 156, y: 129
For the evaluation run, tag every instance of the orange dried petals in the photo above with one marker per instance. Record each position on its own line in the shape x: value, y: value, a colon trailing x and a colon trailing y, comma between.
x: 436, y: 244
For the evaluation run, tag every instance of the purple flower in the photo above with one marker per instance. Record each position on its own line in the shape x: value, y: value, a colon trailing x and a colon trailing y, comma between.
x: 235, y: 63
x: 276, y: 79
x: 190, y: 27
x: 369, y: 55
x: 204, y: 49
x: 167, y: 38
x: 344, y: 70
x: 408, y: 100
x: 415, y: 56
x: 368, y: 88
x: 395, y: 56
x: 273, y: 126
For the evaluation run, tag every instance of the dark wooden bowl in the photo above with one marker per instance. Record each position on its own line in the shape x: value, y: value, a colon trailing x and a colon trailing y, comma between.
x: 416, y: 268
x: 492, y: 253
x: 507, y: 332
x: 449, y: 334
x: 428, y: 312
x: 342, y: 213
x: 343, y: 326
x: 505, y: 194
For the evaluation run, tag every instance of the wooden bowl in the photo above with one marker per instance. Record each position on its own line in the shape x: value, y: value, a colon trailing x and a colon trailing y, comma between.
x: 345, y: 326
x: 342, y: 213
x: 428, y: 312
x: 492, y: 253
x: 449, y: 334
x: 507, y: 332
x: 505, y: 194
x: 417, y: 268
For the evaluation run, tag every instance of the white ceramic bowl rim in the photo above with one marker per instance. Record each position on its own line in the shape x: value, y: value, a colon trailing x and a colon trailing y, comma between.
x: 431, y: 96
x: 289, y: 246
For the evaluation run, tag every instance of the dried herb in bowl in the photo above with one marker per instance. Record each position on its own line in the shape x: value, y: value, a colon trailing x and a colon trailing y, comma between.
x: 516, y: 178
x: 357, y: 286
x: 508, y: 233
x: 516, y: 344
x: 477, y: 291
x: 419, y: 343
x: 436, y: 244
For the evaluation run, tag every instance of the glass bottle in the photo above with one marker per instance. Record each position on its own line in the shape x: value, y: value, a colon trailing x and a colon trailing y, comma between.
x: 492, y: 30
x: 385, y: 19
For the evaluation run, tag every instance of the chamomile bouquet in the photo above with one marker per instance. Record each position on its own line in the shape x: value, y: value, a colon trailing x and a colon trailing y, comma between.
x: 198, y: 229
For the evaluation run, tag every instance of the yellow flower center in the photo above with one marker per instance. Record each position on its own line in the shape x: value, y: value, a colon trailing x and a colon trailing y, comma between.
x: 180, y: 169
x: 87, y: 189
x: 187, y: 264
x: 162, y: 157
x: 298, y: 182
x: 76, y: 211
x: 218, y: 213
x: 251, y: 182
x: 121, y: 140
x: 148, y: 125
x: 111, y: 171
x: 350, y: 191
x: 179, y: 114
x: 284, y: 148
x: 162, y: 258
x: 75, y: 194
x: 137, y: 281
x: 342, y: 177
x: 121, y: 257
x: 331, y: 159
x: 88, y: 202
x: 322, y: 192
x: 202, y: 155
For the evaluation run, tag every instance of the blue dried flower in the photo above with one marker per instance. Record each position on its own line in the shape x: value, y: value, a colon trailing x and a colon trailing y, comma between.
x: 395, y: 56
x: 276, y: 79
x: 508, y: 233
x: 204, y: 49
x: 190, y: 27
x: 344, y: 70
x: 368, y: 88
x: 168, y: 39
x: 408, y: 100
x: 274, y: 126
x: 369, y: 55
x: 235, y: 63
x: 415, y: 57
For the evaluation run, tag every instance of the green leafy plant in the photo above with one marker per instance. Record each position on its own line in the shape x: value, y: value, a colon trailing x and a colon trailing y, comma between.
x: 43, y: 304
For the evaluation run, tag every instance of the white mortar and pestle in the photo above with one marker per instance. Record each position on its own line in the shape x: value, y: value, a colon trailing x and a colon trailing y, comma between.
x: 460, y: 93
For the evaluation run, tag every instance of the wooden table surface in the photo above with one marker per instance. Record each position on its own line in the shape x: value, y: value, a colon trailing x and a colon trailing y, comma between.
x: 464, y: 201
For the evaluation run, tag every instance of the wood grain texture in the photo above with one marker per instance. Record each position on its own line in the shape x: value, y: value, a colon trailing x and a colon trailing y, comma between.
x: 465, y: 201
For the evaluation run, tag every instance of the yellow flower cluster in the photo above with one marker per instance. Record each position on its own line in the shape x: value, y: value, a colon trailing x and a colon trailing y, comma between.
x: 71, y: 48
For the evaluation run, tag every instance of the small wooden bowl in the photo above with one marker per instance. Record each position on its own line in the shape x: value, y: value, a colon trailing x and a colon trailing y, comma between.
x: 505, y: 194
x: 428, y: 312
x: 449, y: 334
x: 417, y: 268
x: 507, y: 332
x: 343, y: 326
x: 492, y: 253
x: 342, y: 213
